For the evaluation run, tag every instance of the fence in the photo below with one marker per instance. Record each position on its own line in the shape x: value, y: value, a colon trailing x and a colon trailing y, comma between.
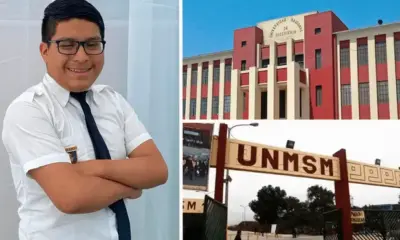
x: 215, y: 217
x: 332, y: 225
x: 378, y: 225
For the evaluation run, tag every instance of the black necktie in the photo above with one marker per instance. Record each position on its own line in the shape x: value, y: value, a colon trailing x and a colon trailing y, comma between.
x: 101, y: 152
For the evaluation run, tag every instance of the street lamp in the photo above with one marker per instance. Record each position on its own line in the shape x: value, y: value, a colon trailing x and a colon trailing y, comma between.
x: 228, y: 178
x: 290, y: 144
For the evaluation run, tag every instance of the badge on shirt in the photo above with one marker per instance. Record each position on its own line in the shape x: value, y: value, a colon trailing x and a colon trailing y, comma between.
x: 73, y: 154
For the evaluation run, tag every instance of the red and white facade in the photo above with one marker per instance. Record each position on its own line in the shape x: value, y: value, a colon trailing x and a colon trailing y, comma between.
x: 307, y: 66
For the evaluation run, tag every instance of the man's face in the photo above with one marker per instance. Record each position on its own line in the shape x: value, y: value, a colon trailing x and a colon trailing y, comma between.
x: 74, y: 72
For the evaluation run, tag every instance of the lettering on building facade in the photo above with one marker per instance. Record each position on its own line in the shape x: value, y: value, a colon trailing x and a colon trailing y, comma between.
x: 286, y: 30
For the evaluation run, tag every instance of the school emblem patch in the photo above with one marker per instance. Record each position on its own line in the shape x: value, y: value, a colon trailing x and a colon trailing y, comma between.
x: 73, y: 154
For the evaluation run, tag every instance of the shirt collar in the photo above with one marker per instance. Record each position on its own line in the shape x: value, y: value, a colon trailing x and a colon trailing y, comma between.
x: 61, y: 94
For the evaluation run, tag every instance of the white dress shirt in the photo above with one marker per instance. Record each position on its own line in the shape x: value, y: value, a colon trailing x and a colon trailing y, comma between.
x: 39, y: 126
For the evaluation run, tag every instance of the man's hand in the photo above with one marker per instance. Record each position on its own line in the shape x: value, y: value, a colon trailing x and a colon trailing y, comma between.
x: 134, y: 194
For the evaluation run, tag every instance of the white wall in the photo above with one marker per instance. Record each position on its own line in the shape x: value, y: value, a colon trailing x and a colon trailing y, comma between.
x: 147, y: 76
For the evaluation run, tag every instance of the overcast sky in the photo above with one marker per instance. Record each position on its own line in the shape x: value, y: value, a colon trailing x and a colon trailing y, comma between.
x: 364, y: 141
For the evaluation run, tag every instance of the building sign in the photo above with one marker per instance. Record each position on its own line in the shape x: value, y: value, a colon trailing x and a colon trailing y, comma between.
x: 196, y: 155
x: 261, y: 158
x: 248, y: 156
x: 290, y: 26
x: 357, y: 217
x: 193, y: 205
x: 372, y: 174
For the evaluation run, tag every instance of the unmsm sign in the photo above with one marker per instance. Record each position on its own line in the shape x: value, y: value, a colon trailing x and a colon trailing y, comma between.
x: 253, y: 157
x: 193, y: 205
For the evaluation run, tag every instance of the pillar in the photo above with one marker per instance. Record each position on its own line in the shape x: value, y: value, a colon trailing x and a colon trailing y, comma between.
x: 342, y: 195
x: 391, y: 68
x: 355, y: 105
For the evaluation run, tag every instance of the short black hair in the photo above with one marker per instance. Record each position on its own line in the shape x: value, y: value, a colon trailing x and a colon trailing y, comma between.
x: 64, y: 10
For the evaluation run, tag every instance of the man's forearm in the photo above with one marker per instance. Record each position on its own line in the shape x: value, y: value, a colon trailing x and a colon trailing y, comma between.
x: 136, y: 173
x: 96, y: 193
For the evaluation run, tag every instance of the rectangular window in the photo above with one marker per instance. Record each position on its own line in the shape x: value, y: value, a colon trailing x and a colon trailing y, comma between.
x: 244, y: 43
x: 317, y: 31
x: 362, y: 54
x: 215, y: 105
x: 227, y: 104
x: 228, y: 70
x: 244, y: 102
x: 345, y: 93
x: 299, y: 59
x: 318, y: 59
x: 243, y: 65
x: 344, y: 58
x: 204, y: 76
x: 203, y: 106
x: 265, y: 63
x: 398, y: 90
x: 194, y: 77
x: 193, y: 107
x: 184, y: 79
x: 184, y: 107
x: 380, y: 52
x: 382, y: 91
x: 397, y: 50
x: 216, y: 74
x: 281, y: 61
x: 318, y: 95
x: 363, y: 93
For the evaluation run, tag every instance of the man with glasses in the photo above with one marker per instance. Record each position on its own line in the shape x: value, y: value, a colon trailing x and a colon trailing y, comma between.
x: 77, y: 150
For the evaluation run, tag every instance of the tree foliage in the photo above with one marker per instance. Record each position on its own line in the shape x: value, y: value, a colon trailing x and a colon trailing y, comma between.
x: 273, y: 206
x: 269, y: 205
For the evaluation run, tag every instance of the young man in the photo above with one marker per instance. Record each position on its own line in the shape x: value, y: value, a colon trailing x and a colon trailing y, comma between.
x: 77, y: 150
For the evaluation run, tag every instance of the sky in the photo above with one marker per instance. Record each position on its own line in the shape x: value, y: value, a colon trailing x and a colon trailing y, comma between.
x: 364, y: 141
x: 208, y: 25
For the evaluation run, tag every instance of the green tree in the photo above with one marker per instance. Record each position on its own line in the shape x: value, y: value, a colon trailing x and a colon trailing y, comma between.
x: 320, y: 200
x: 270, y: 205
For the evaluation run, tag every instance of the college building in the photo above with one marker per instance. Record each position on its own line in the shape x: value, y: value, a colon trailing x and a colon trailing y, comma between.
x: 307, y: 66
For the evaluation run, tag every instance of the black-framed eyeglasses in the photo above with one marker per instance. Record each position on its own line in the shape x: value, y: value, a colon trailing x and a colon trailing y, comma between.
x: 71, y: 47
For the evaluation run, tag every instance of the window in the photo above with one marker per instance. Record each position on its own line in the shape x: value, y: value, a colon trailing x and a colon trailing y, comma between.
x: 362, y: 54
x: 215, y: 105
x: 203, y: 106
x: 204, y: 76
x: 299, y: 59
x: 281, y: 61
x: 184, y: 76
x: 318, y: 95
x: 363, y: 93
x: 344, y: 57
x: 380, y: 52
x: 243, y: 65
x: 265, y: 63
x: 317, y: 31
x: 318, y: 59
x: 193, y: 107
x: 383, y: 92
x: 216, y: 74
x: 227, y: 104
x: 244, y: 43
x: 184, y: 107
x: 345, y: 95
x: 228, y: 70
x: 194, y: 77
x: 398, y: 90
x: 397, y: 50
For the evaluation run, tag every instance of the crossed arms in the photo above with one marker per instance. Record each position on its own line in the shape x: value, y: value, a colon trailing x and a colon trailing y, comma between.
x: 83, y: 187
